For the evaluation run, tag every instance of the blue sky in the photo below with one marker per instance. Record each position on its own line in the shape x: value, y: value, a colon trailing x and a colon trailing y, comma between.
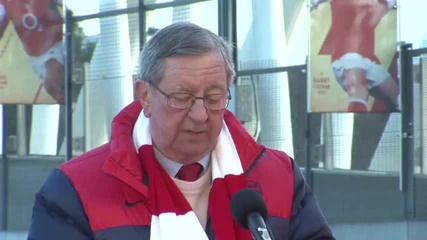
x: 85, y: 7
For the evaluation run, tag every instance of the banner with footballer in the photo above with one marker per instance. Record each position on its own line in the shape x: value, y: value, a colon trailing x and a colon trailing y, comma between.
x: 353, y: 56
x: 31, y: 52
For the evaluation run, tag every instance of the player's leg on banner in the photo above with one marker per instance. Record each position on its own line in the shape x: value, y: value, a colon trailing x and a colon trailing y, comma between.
x: 388, y: 93
x: 384, y: 88
x: 356, y: 86
x: 54, y: 80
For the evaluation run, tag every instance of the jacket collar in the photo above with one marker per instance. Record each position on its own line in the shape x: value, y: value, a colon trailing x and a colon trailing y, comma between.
x: 125, y: 164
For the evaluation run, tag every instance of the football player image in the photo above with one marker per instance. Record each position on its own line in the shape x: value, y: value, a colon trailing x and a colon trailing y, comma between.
x: 38, y: 24
x: 351, y: 44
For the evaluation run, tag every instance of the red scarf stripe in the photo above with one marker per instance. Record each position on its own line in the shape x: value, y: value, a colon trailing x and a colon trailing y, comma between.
x: 165, y: 196
x: 225, y: 228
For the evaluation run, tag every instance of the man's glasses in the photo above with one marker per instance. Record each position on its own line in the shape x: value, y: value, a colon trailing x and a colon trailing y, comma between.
x: 183, y: 100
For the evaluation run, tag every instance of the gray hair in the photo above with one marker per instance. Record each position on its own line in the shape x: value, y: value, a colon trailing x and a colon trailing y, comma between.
x: 181, y: 38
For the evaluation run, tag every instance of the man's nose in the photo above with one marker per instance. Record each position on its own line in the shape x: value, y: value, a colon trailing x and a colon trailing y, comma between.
x: 198, y: 111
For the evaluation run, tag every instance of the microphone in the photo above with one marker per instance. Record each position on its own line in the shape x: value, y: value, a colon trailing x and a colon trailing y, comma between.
x: 249, y: 211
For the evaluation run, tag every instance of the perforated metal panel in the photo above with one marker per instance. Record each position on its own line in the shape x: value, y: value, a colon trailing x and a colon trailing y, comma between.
x: 204, y: 14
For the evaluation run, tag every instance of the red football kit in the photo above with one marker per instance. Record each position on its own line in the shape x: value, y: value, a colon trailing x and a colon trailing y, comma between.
x: 38, y: 23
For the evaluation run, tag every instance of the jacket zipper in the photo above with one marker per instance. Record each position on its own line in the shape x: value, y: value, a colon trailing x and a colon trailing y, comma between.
x: 255, y: 162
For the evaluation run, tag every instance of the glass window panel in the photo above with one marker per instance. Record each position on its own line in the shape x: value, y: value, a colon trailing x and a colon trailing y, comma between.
x: 274, y: 32
x: 361, y: 141
x: 76, y: 6
x: 44, y: 130
x: 263, y: 106
x: 107, y: 64
x: 388, y: 153
x: 412, y: 13
x: 109, y: 5
x: 156, y: 1
x: 204, y: 14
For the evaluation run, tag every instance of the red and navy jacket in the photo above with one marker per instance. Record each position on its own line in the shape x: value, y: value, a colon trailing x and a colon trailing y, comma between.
x: 103, y: 194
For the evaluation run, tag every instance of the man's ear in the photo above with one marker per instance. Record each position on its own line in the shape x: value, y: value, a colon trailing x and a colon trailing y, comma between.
x: 143, y: 94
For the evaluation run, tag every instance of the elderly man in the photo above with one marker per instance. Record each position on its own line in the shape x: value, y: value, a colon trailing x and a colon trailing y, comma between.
x: 175, y: 159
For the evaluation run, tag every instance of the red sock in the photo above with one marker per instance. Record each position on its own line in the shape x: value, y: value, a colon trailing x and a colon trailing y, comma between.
x: 357, y: 107
x: 379, y: 106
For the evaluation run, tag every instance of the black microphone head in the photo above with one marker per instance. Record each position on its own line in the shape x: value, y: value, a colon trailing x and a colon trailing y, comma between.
x: 245, y: 202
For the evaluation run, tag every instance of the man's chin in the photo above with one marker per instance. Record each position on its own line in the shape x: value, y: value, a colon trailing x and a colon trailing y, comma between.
x: 195, y: 153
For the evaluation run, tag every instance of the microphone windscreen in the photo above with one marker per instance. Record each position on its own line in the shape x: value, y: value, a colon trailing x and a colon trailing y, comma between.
x: 245, y: 202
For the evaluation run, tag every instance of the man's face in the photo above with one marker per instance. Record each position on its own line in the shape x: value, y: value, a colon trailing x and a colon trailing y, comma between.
x: 186, y: 135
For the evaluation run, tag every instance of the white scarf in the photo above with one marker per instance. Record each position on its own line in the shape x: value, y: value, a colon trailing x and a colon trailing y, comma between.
x: 224, y: 160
